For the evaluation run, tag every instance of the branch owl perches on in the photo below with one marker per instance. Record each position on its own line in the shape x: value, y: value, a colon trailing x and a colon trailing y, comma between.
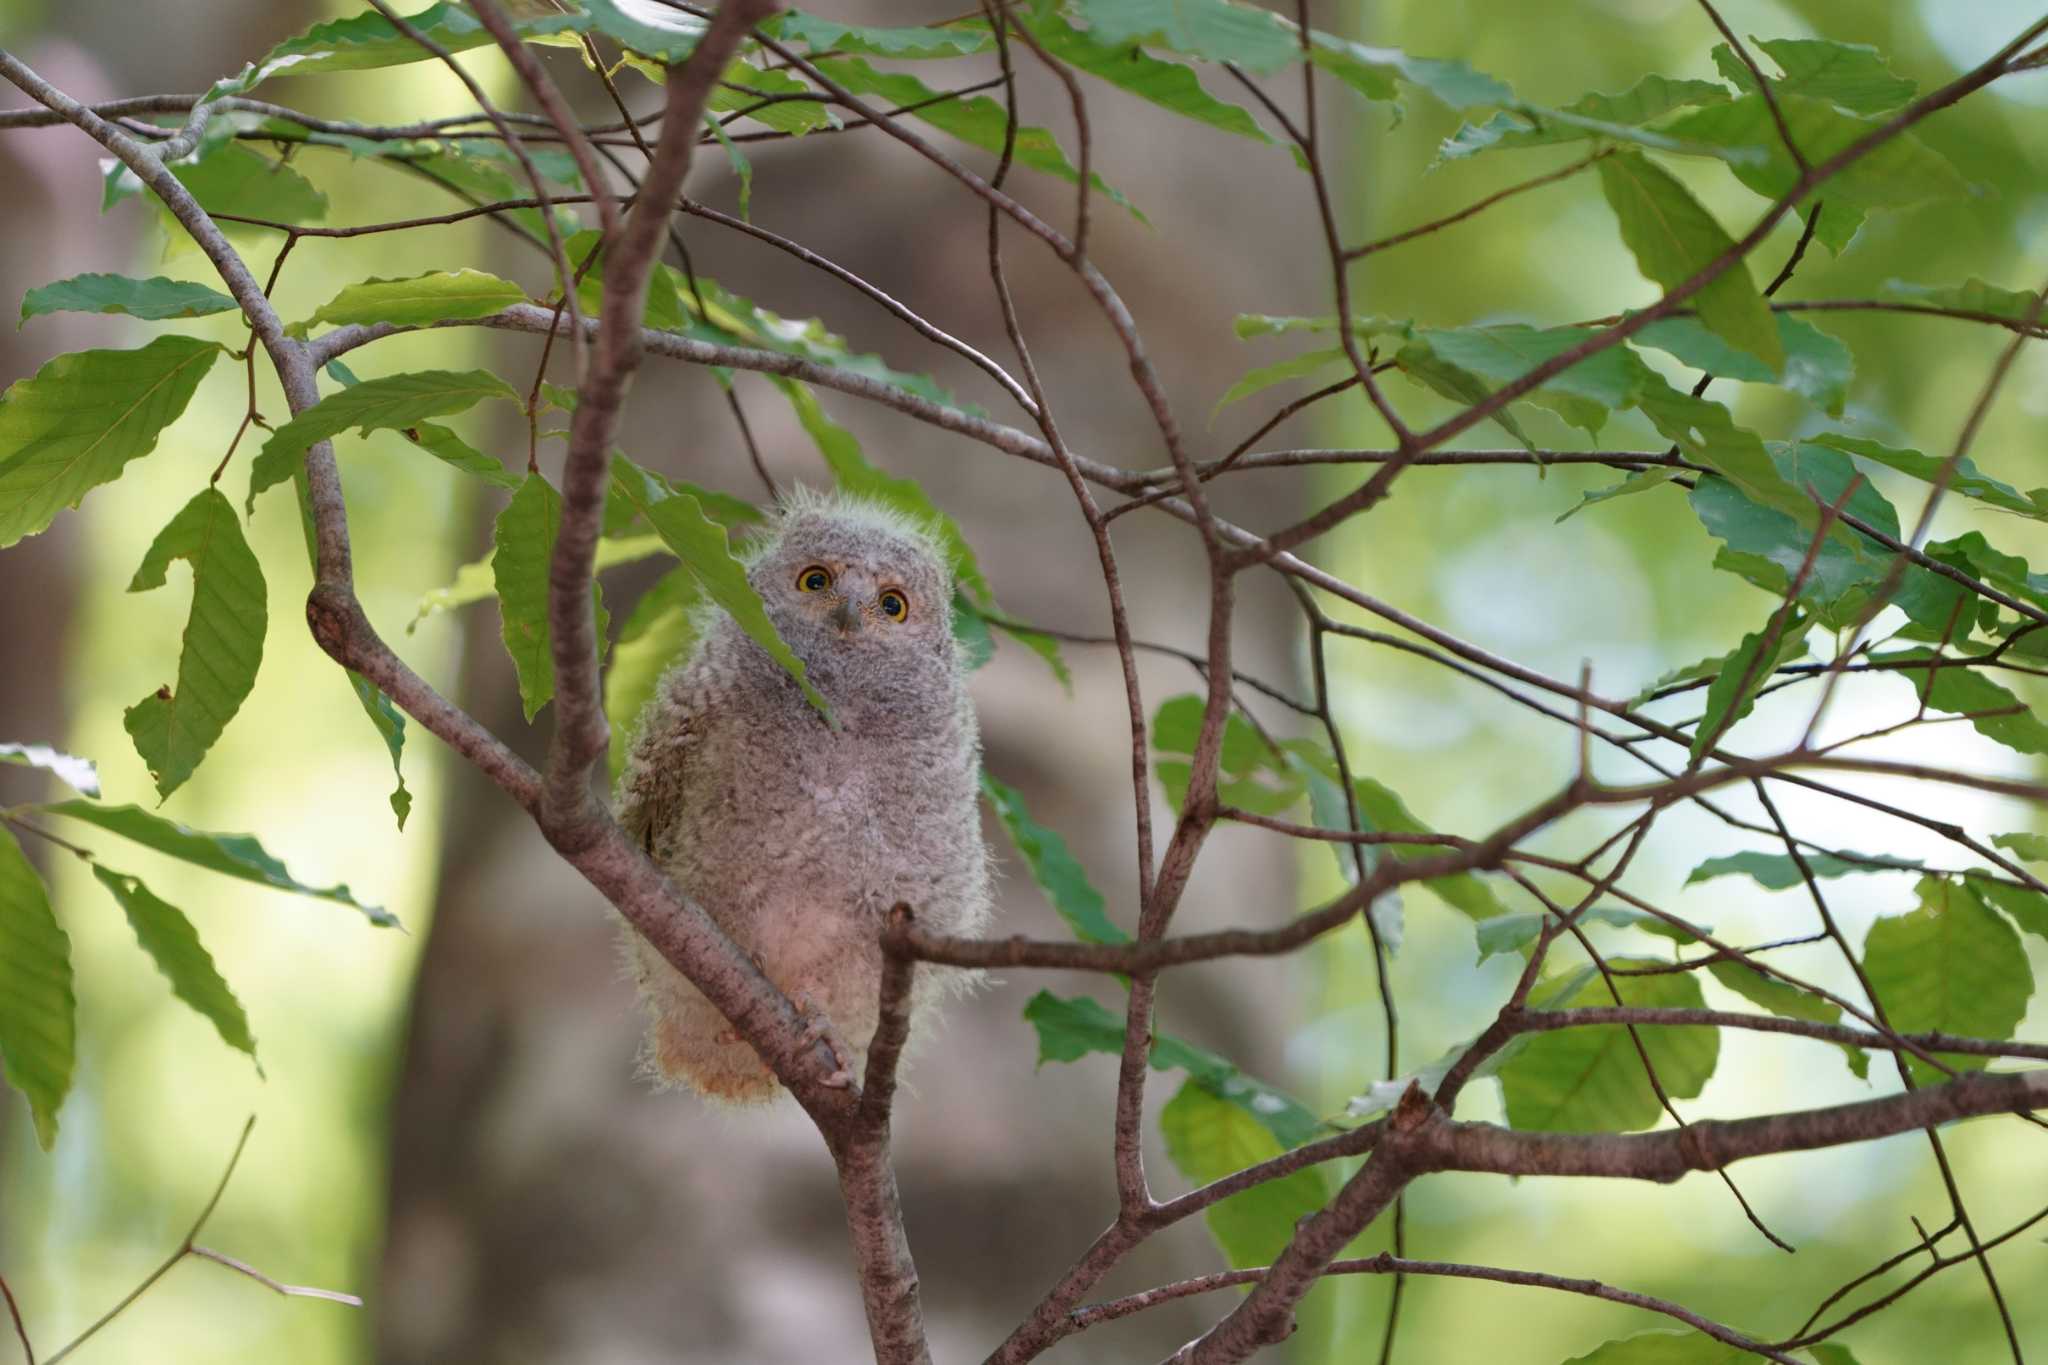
x: 796, y: 836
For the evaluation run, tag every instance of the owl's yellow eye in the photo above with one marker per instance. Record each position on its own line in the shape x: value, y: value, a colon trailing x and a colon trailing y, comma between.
x: 816, y: 578
x: 894, y: 605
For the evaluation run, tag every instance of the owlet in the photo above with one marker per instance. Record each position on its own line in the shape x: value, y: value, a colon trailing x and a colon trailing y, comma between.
x: 795, y: 837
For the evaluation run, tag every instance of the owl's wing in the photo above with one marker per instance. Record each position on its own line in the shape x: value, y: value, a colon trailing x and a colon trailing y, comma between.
x: 651, y: 787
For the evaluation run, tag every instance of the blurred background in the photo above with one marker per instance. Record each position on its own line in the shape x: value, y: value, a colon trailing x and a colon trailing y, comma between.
x: 451, y: 1125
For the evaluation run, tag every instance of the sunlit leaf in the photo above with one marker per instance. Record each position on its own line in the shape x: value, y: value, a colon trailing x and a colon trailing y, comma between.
x: 1587, y: 1080
x: 38, y: 1025
x: 1649, y: 98
x: 239, y: 856
x: 173, y: 944
x: 1778, y: 872
x: 174, y: 726
x: 1787, y: 1002
x: 394, y: 401
x: 390, y: 725
x: 80, y: 773
x: 1053, y: 866
x: 669, y: 35
x: 1666, y: 1348
x: 1673, y: 238
x: 1966, y: 478
x: 829, y: 35
x: 1951, y: 966
x: 365, y: 41
x: 1817, y: 367
x: 1516, y: 932
x: 523, y: 545
x: 153, y: 300
x: 654, y: 637
x: 1208, y: 1139
x: 1851, y: 75
x: 1732, y: 695
x: 473, y: 582
x: 419, y: 300
x: 1993, y: 709
x: 82, y: 418
x: 2027, y: 907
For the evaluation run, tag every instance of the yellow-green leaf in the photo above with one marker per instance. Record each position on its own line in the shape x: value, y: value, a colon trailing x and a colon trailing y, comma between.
x: 38, y: 1027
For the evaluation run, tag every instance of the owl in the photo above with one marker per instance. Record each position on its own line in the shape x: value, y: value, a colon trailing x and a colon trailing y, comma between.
x: 795, y: 836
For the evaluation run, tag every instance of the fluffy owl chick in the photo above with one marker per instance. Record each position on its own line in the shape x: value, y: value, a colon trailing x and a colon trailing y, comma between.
x: 796, y: 838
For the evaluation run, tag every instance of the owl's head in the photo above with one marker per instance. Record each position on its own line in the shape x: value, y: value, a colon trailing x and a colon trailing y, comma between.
x: 849, y: 581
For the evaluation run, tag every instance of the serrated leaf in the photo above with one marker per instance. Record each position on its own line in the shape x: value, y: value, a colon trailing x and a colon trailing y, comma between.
x: 450, y: 449
x: 1208, y: 1139
x: 173, y: 944
x: 82, y: 418
x: 38, y: 1013
x: 418, y: 300
x: 1732, y: 695
x: 829, y: 35
x: 80, y: 773
x: 1515, y: 932
x: 1949, y: 966
x: 1649, y: 98
x: 1817, y: 367
x: 1053, y: 866
x: 366, y: 41
x: 1787, y: 1002
x: 394, y: 401
x: 237, y: 179
x: 1214, y: 30
x: 978, y: 121
x: 2027, y: 907
x: 523, y: 545
x: 239, y: 856
x: 173, y: 727
x: 1792, y: 647
x: 655, y: 636
x: 1851, y: 75
x: 390, y: 726
x: 1169, y: 85
x: 1673, y: 238
x: 154, y: 300
x: 1967, y: 479
x: 1589, y: 1080
x: 1069, y: 1029
x: 1777, y: 871
x: 701, y: 543
x: 1423, y: 365
x: 1994, y: 711
x: 783, y: 102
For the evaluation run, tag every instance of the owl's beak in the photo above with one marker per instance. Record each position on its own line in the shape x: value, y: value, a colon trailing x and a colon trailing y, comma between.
x: 843, y: 617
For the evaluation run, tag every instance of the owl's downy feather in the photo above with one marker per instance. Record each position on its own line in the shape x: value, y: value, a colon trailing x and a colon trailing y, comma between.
x: 795, y: 837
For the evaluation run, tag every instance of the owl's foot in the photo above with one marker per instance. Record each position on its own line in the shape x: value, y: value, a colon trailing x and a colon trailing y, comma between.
x: 818, y: 1029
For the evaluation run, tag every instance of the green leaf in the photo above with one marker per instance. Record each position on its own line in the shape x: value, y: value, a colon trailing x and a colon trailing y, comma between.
x: 1787, y: 1002
x: 679, y: 519
x: 237, y: 179
x: 977, y: 121
x: 396, y: 400
x: 1949, y: 966
x: 1967, y: 479
x: 1673, y: 238
x: 1791, y: 647
x: 1993, y: 710
x: 1582, y: 394
x: 232, y: 855
x: 80, y: 773
x: 797, y: 108
x: 1642, y: 481
x: 653, y: 30
x: 366, y: 41
x: 2028, y: 908
x: 657, y: 634
x: 1250, y: 774
x: 1817, y: 367
x: 1851, y: 75
x: 1514, y: 933
x: 2032, y: 847
x: 851, y: 470
x: 418, y: 300
x: 1373, y: 71
x: 390, y: 724
x: 1649, y: 98
x: 1733, y: 692
x: 1423, y: 365
x: 1169, y: 85
x: 1896, y: 174
x: 173, y: 944
x: 1588, y: 1080
x: 741, y: 167
x: 523, y: 544
x: 1704, y: 433
x: 829, y: 35
x: 1777, y: 871
x: 1069, y: 1029
x: 1971, y: 296
x: 1266, y: 376
x: 1666, y: 1348
x: 1053, y: 866
x: 450, y: 449
x: 971, y: 635
x: 223, y: 640
x: 1208, y: 1139
x: 38, y: 1023
x: 1214, y: 30
x: 473, y: 582
x: 82, y: 418
x: 153, y: 300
